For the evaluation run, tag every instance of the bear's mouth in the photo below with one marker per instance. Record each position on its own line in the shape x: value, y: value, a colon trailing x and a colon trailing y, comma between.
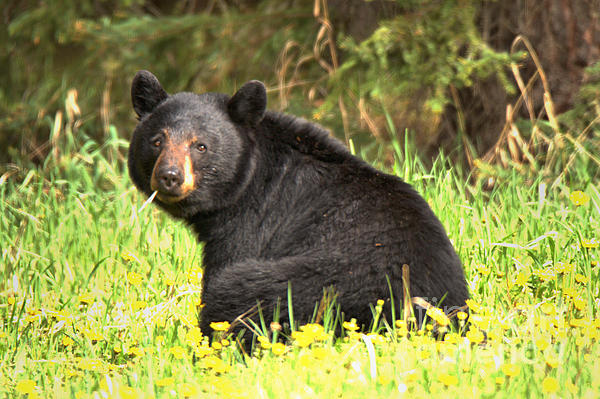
x: 170, y: 198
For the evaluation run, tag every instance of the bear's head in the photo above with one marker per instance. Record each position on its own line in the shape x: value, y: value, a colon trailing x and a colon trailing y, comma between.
x: 194, y: 151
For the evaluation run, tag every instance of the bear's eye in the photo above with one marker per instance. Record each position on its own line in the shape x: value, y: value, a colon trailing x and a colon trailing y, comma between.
x: 201, y: 148
x: 156, y: 141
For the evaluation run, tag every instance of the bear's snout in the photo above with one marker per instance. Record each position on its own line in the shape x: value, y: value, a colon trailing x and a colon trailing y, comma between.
x: 169, y: 179
x: 172, y: 177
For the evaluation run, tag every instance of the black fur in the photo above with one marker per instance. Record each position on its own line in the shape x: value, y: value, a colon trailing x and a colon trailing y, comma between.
x: 277, y: 199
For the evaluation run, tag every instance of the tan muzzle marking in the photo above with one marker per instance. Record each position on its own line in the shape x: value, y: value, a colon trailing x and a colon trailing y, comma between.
x: 187, y: 169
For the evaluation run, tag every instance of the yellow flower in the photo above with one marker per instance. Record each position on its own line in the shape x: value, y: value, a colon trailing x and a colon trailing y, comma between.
x: 202, y: 351
x: 216, y: 346
x: 550, y: 385
x: 475, y: 336
x: 264, y: 342
x: 591, y: 243
x: 548, y: 308
x: 522, y: 278
x: 178, y: 352
x: 580, y: 278
x: 25, y: 387
x: 215, y: 363
x: 547, y: 274
x: 278, y: 349
x: 483, y: 322
x: 220, y: 326
x: 542, y: 342
x: 376, y: 339
x: 128, y: 256
x: 350, y: 325
x: 134, y: 278
x: 93, y: 334
x: 452, y: 338
x: 136, y: 351
x: 138, y: 305
x: 474, y: 306
x: 165, y: 382
x: 302, y: 339
x: 579, y: 198
x: 67, y: 341
x: 579, y: 302
x: 551, y: 360
x: 448, y: 379
x: 462, y: 315
x: 511, y: 370
x: 380, y: 302
x: 305, y: 360
x: 193, y: 336
x: 126, y: 392
x: 194, y: 275
x: 225, y: 342
x: 319, y: 353
x: 438, y: 315
x: 483, y: 270
x: 562, y: 267
x: 188, y: 390
x: 87, y: 297
x: 424, y: 354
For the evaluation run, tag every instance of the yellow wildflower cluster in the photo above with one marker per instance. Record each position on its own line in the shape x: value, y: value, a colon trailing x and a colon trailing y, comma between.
x: 308, y: 334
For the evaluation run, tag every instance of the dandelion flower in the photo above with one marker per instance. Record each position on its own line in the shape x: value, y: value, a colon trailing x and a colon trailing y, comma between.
x: 138, y: 305
x: 590, y: 243
x: 580, y: 278
x: 475, y: 336
x: 550, y: 385
x: 25, y: 387
x: 439, y: 316
x: 350, y: 325
x: 188, y: 390
x: 579, y: 302
x: 462, y: 315
x: 448, y: 379
x: 178, y: 352
x: 579, y: 198
x: 87, y: 298
x: 551, y: 360
x: 134, y: 278
x: 278, y: 349
x: 511, y: 370
x: 548, y: 308
x: 522, y: 278
x: 474, y: 306
x: 220, y: 326
x: 165, y: 382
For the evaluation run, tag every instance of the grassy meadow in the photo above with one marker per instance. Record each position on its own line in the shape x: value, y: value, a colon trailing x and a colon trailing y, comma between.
x: 99, y: 293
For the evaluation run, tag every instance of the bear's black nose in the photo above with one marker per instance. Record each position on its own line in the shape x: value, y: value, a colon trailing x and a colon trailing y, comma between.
x: 169, y: 179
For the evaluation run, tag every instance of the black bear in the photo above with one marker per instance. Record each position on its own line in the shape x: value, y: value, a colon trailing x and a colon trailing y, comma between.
x: 276, y: 199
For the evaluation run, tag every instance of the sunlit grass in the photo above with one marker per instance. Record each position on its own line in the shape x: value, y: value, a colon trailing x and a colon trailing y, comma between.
x: 99, y: 297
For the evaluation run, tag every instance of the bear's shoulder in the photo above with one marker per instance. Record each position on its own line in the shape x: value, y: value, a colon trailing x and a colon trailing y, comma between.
x: 305, y: 137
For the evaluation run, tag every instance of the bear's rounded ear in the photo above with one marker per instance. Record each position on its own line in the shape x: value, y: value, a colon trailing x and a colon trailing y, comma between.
x: 146, y: 93
x: 249, y: 104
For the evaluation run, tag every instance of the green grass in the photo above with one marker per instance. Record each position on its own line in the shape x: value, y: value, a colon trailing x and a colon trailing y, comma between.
x: 99, y: 295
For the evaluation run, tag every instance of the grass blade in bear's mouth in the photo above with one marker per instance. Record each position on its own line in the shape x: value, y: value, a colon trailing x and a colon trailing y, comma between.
x: 149, y: 200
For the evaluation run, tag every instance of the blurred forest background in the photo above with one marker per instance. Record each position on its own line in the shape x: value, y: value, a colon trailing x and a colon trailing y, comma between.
x: 492, y: 83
